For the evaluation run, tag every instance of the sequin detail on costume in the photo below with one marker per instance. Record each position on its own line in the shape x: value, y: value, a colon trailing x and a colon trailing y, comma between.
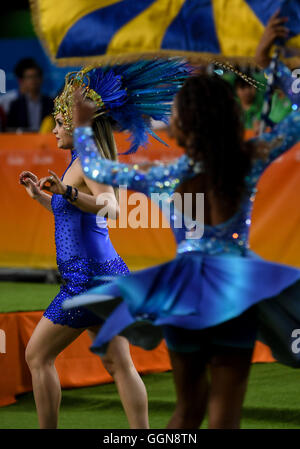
x: 78, y: 276
x: 83, y: 251
x: 231, y: 236
x: 288, y: 83
x: 198, y: 290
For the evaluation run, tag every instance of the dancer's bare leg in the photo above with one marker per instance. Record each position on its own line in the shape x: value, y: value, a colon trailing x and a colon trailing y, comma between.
x: 131, y: 388
x: 47, y: 341
x: 229, y: 379
x: 192, y: 388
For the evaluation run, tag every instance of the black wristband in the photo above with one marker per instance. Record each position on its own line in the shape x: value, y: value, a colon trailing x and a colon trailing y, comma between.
x: 68, y: 193
x: 75, y: 196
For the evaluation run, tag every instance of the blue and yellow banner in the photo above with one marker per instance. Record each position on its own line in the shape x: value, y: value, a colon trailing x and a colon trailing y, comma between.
x: 81, y: 31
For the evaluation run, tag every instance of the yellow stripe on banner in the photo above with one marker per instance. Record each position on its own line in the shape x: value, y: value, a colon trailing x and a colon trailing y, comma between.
x: 237, y: 27
x: 146, y: 31
x: 54, y: 19
x: 294, y: 42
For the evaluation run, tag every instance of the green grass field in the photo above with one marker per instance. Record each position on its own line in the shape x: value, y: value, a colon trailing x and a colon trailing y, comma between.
x: 272, y: 402
x: 272, y: 399
x: 26, y: 296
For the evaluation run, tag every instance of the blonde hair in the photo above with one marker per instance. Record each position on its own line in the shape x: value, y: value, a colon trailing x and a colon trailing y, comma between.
x: 105, y: 141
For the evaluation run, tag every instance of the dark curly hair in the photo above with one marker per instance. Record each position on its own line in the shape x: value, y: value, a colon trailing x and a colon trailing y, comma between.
x: 25, y: 64
x: 210, y: 122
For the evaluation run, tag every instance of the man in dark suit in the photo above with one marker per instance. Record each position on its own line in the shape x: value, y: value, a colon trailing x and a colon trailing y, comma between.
x: 28, y: 110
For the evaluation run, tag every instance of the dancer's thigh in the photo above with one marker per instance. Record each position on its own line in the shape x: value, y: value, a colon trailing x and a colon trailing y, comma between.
x: 229, y: 374
x: 118, y: 355
x: 49, y: 339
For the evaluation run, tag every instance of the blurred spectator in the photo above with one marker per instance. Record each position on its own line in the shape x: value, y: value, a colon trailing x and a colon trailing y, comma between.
x: 28, y: 110
x: 251, y: 101
x: 281, y: 106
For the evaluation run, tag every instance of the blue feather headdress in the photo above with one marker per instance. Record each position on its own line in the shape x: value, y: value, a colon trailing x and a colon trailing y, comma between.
x: 131, y: 94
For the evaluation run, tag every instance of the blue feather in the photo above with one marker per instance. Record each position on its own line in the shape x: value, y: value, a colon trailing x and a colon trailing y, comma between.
x: 135, y: 93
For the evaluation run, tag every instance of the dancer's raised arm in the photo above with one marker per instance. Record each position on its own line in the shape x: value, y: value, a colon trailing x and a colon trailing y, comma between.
x: 285, y: 79
x: 163, y: 177
x: 288, y: 82
x: 270, y: 146
x: 283, y: 137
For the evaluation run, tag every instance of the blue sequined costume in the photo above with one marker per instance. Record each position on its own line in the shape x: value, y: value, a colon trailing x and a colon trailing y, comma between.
x: 83, y: 251
x: 214, y: 281
x: 287, y: 82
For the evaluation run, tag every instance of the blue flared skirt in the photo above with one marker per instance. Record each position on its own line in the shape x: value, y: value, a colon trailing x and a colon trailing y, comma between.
x: 196, y: 292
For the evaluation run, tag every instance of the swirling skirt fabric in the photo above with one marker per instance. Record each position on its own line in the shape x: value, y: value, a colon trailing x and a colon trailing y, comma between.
x: 196, y: 291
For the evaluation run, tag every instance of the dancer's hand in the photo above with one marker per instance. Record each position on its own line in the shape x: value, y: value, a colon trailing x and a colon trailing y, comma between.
x: 55, y: 184
x: 27, y: 174
x: 83, y: 110
x: 30, y: 180
x: 275, y: 29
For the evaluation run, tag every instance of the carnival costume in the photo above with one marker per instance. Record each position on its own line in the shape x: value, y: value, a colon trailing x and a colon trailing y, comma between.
x: 214, y: 281
x: 83, y: 246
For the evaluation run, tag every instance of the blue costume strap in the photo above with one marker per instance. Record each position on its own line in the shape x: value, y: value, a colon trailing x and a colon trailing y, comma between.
x: 74, y: 155
x: 287, y: 82
x: 159, y: 178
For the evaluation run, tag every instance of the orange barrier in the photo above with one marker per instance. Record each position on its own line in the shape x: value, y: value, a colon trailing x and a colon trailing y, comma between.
x: 77, y: 366
x: 27, y: 239
x: 27, y: 231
